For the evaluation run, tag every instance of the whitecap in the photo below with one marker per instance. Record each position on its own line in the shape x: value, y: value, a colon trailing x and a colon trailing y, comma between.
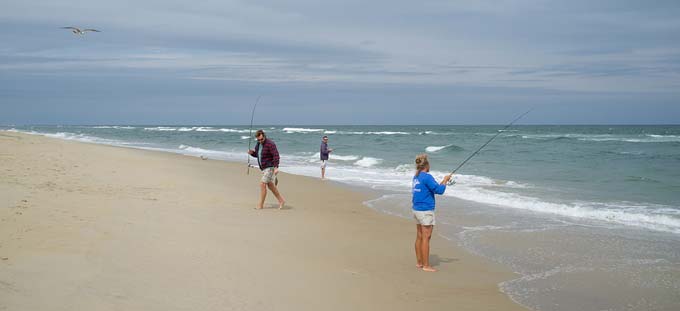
x: 435, y: 148
x: 300, y: 130
x: 368, y: 162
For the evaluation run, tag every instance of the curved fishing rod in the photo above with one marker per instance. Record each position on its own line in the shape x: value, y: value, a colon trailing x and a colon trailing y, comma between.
x: 250, y: 132
x: 451, y: 182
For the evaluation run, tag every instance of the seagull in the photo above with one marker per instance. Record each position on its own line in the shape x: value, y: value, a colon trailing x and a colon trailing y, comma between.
x: 77, y: 30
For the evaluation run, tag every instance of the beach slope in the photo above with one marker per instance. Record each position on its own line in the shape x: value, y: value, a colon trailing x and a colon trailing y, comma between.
x: 94, y: 227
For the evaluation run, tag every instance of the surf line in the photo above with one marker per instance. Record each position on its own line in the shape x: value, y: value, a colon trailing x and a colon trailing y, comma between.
x: 451, y: 182
x: 250, y: 132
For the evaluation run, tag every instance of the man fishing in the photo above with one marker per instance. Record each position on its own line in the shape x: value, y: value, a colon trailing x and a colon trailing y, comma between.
x: 324, y: 152
x: 268, y: 159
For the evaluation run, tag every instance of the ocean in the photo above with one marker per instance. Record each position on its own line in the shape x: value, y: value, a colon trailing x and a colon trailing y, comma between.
x: 587, y: 216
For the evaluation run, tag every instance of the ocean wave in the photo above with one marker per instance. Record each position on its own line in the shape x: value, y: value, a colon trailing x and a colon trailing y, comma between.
x: 371, y: 133
x: 650, y: 138
x: 83, y: 138
x: 117, y: 127
x: 314, y: 157
x: 617, y: 213
x: 196, y: 150
x: 433, y: 149
x: 368, y: 162
x: 344, y: 158
x: 405, y: 168
x: 195, y: 129
x: 388, y: 133
x: 227, y: 130
x: 160, y: 128
x: 291, y: 130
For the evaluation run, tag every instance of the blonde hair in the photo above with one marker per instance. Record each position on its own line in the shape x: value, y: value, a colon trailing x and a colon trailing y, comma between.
x: 421, y: 163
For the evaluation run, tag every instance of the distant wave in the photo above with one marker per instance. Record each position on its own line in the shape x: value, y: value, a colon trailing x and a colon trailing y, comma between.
x: 291, y: 130
x: 160, y: 128
x: 371, y: 133
x: 433, y: 149
x: 83, y: 138
x: 195, y: 128
x: 300, y: 130
x: 117, y: 127
x: 650, y: 138
x: 234, y: 130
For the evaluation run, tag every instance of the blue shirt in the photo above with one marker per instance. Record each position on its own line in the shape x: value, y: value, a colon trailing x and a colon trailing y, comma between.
x: 424, y: 188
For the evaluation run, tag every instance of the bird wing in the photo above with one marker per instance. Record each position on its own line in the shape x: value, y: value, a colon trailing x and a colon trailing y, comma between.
x: 70, y: 28
x: 95, y: 30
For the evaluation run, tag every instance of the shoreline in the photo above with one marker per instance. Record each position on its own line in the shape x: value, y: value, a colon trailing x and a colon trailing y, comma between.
x: 132, y: 228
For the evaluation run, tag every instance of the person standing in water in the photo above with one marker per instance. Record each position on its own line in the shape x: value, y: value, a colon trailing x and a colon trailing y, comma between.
x: 324, y: 152
x: 268, y: 159
x: 424, y: 187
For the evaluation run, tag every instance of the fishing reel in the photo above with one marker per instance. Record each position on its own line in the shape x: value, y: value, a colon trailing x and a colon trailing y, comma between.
x: 451, y: 181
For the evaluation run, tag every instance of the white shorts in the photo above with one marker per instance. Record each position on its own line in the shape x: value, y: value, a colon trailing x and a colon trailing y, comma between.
x: 425, y: 218
x: 323, y: 163
x: 268, y: 175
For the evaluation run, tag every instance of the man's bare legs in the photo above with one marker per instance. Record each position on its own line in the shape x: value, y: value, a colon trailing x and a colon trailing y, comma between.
x: 426, y: 234
x: 274, y: 190
x: 276, y: 193
x: 419, y: 254
x: 263, y: 195
x: 323, y: 172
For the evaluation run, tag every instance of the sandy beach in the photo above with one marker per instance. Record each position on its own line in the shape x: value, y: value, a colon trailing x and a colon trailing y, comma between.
x: 95, y: 227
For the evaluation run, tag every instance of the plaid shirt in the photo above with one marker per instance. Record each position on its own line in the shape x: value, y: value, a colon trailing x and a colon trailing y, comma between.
x: 270, y: 155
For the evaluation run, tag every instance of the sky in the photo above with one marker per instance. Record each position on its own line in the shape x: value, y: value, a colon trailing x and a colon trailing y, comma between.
x: 340, y: 62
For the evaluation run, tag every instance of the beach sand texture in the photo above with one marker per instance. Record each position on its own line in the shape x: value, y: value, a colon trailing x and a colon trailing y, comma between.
x: 94, y: 227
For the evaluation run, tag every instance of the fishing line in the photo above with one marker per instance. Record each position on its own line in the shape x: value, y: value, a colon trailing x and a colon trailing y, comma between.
x: 451, y: 182
x: 250, y: 132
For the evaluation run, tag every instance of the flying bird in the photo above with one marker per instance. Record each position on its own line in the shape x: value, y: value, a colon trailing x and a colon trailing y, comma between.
x: 77, y: 30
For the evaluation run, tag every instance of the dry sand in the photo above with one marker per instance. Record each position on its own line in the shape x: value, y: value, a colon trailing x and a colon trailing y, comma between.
x: 93, y: 227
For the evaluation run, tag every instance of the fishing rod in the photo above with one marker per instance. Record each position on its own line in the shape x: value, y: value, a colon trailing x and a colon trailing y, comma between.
x: 451, y: 182
x: 250, y: 132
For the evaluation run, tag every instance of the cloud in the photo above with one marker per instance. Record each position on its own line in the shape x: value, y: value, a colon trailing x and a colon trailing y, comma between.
x: 572, y: 46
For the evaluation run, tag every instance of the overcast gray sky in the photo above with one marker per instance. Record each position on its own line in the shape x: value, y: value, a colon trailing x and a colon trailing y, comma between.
x: 340, y: 62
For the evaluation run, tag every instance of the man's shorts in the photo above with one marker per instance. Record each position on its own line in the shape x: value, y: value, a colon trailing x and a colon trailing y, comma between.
x: 425, y: 218
x: 323, y: 163
x: 268, y: 175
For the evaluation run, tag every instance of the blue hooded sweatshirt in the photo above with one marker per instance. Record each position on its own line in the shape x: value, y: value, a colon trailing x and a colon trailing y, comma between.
x: 424, y: 188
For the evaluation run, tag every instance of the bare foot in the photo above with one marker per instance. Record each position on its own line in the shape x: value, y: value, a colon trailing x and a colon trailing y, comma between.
x: 259, y: 207
x: 429, y: 269
x: 419, y: 266
x: 281, y: 204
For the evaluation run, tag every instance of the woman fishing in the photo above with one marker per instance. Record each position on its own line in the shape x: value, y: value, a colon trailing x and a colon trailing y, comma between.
x: 424, y: 188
